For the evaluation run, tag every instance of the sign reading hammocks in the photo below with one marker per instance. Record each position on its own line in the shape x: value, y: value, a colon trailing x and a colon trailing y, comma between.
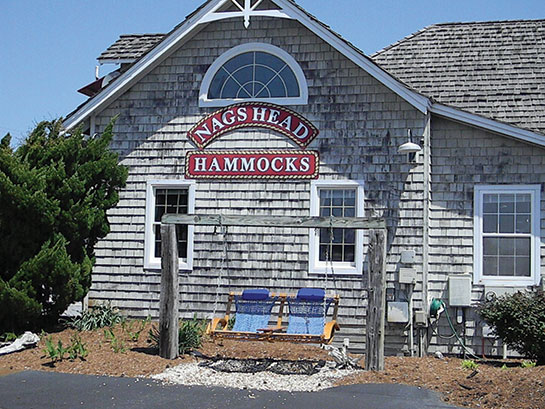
x: 277, y: 164
x: 253, y: 114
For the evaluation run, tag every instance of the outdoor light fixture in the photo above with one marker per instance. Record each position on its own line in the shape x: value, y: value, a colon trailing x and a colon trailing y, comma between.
x: 409, y: 147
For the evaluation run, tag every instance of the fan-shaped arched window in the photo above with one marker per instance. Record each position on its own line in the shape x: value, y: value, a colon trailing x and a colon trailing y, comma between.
x: 255, y: 72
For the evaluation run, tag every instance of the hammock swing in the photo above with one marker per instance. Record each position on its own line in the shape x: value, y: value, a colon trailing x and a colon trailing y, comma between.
x: 253, y: 310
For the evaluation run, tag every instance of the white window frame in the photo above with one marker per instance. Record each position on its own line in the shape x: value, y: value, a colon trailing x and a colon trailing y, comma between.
x: 150, y: 261
x: 535, y: 239
x: 321, y: 267
x: 302, y: 99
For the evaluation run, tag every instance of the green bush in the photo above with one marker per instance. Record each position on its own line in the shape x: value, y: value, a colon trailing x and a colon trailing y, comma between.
x: 519, y: 320
x: 190, y: 334
x: 98, y: 316
x: 55, y: 190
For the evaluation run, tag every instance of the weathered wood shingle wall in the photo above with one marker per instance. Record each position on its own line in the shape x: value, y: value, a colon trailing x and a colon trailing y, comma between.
x: 463, y: 157
x: 361, y: 124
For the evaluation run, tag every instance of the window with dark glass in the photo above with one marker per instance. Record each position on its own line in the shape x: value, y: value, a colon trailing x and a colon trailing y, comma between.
x: 506, y: 234
x: 170, y: 201
x: 254, y: 75
x: 337, y: 244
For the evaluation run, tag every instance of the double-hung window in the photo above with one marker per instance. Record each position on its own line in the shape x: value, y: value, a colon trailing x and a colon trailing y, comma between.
x: 507, y: 234
x: 168, y: 197
x: 336, y: 250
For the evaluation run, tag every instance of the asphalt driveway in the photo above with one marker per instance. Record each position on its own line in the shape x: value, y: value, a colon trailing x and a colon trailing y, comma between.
x: 39, y: 390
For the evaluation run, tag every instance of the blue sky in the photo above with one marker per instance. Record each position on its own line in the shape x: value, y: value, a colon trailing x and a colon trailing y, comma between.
x: 48, y: 49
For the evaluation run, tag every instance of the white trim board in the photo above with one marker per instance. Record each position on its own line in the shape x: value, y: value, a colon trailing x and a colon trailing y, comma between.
x: 488, y: 124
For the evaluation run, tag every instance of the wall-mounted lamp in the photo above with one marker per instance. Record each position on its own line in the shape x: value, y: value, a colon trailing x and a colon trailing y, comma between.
x: 409, y: 147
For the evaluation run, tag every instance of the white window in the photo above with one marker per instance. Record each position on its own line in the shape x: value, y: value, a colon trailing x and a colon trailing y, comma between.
x: 507, y: 235
x: 173, y: 197
x: 336, y: 250
x: 254, y: 72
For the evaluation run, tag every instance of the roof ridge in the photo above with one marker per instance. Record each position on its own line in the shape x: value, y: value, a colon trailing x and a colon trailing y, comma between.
x: 398, y: 42
x: 488, y: 22
x: 141, y: 34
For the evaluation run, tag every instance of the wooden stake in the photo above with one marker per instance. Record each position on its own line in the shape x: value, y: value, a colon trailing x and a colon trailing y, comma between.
x: 374, y: 357
x: 168, y: 310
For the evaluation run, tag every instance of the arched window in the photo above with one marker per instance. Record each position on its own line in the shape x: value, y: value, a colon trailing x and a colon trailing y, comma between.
x: 254, y: 72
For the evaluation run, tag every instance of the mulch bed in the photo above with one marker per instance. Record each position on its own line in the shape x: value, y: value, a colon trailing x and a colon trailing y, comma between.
x: 489, y: 387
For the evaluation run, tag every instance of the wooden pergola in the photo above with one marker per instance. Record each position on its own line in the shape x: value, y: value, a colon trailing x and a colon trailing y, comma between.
x: 168, y: 313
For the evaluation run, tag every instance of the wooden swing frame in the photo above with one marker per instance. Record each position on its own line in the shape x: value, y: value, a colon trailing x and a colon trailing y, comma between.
x: 168, y: 314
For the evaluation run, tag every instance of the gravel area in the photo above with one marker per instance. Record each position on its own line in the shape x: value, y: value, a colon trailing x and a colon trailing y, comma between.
x: 193, y: 374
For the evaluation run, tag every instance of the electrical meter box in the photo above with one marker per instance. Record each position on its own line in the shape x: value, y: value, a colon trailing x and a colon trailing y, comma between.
x: 420, y: 318
x: 407, y: 275
x: 459, y: 290
x: 407, y: 256
x: 398, y: 312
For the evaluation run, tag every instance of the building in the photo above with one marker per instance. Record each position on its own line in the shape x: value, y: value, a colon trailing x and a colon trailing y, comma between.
x: 263, y: 110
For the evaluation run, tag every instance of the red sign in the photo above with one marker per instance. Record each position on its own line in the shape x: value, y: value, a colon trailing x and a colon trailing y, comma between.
x: 253, y: 114
x: 281, y: 164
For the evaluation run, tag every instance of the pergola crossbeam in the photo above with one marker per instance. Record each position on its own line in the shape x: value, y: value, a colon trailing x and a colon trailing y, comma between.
x: 275, y: 221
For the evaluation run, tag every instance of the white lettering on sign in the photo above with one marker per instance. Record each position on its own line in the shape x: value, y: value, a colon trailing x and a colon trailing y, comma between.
x: 280, y: 164
x: 253, y: 114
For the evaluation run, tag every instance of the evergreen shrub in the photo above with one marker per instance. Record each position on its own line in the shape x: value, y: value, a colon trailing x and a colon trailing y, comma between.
x: 519, y: 320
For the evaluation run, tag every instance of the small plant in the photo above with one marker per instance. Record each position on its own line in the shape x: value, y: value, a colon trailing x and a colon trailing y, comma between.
x: 8, y: 337
x: 54, y: 352
x: 469, y: 364
x: 527, y: 364
x: 134, y: 333
x: 231, y: 322
x: 519, y: 320
x: 190, y: 334
x: 77, y: 348
x: 57, y: 352
x: 99, y: 316
x: 504, y: 367
x: 117, y: 344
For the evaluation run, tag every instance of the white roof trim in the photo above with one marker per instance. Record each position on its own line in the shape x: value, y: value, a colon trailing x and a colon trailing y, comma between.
x: 488, y: 124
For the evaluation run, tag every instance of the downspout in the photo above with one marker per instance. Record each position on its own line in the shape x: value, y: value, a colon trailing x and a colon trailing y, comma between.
x: 426, y: 223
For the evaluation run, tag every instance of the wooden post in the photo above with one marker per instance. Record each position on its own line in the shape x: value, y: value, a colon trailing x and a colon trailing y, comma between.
x: 168, y: 310
x: 374, y: 357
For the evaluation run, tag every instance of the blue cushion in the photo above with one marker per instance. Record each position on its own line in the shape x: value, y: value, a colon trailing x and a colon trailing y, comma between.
x: 311, y: 294
x: 257, y: 294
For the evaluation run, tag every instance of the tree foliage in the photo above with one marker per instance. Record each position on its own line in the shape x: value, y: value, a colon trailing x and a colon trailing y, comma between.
x: 519, y: 320
x: 55, y: 190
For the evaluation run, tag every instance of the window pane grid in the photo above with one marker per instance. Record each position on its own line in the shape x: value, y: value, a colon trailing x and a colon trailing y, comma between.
x: 337, y: 244
x: 506, y: 238
x: 254, y: 75
x: 170, y: 201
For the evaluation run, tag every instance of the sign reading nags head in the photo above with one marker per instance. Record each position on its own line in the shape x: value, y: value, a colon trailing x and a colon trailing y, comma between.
x: 255, y: 115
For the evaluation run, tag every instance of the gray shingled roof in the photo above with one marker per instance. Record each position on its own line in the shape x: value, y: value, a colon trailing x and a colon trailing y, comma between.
x: 494, y: 69
x: 130, y: 47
